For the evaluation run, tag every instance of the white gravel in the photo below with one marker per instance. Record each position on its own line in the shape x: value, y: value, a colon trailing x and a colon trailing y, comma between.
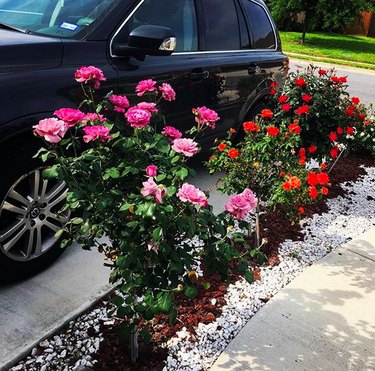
x: 347, y: 217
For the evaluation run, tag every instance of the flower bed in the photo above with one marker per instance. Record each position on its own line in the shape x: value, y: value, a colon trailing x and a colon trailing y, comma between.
x: 207, y: 323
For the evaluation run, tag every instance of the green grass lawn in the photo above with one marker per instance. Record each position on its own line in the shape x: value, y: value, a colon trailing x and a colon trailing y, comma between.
x: 349, y: 49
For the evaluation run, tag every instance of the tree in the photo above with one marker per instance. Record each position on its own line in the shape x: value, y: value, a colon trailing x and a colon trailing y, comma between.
x: 328, y: 15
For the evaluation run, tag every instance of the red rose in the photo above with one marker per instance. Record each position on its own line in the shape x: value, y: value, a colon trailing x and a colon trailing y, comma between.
x: 287, y: 186
x: 323, y: 178
x: 267, y: 114
x: 273, y: 84
x: 301, y: 210
x: 340, y: 131
x: 322, y: 72
x: 303, y: 109
x: 350, y: 130
x: 300, y: 81
x: 312, y: 179
x: 332, y: 136
x: 233, y: 153
x: 273, y: 91
x: 294, y: 128
x: 313, y: 192
x: 324, y: 191
x: 355, y: 100
x: 250, y: 126
x: 286, y: 107
x: 334, y: 152
x: 221, y: 147
x: 335, y: 79
x: 272, y: 131
x: 306, y: 98
x: 323, y: 166
x: 283, y: 98
x: 312, y: 149
x: 361, y: 117
x: 295, y: 182
x: 343, y: 79
x: 232, y: 131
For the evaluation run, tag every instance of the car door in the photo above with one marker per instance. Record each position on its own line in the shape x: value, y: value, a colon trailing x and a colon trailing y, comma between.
x: 186, y: 69
x: 234, y: 64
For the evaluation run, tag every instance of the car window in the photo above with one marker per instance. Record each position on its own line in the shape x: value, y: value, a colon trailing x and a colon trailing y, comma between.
x: 63, y: 18
x: 263, y: 34
x: 178, y: 15
x: 221, y: 25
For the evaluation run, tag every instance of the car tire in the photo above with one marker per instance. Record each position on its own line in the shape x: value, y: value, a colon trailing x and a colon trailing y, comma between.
x: 28, y: 211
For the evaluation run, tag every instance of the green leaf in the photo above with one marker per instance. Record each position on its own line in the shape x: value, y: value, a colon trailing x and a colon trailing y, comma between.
x: 249, y: 276
x: 191, y: 291
x: 125, y: 207
x: 175, y: 159
x: 169, y: 209
x: 111, y: 173
x: 132, y: 224
x: 164, y: 302
x: 51, y: 172
x: 161, y: 177
x: 77, y: 221
x: 156, y: 234
x: 172, y: 316
x: 117, y: 300
x: 182, y: 173
x: 163, y: 146
x: 59, y: 233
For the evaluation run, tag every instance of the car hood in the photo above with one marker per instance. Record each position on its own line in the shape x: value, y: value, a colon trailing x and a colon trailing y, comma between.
x: 22, y: 52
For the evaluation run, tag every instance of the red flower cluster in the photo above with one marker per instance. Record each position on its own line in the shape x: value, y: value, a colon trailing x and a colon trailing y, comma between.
x: 312, y: 149
x: 339, y: 80
x: 286, y: 107
x: 233, y: 153
x: 267, y: 114
x: 302, y: 156
x: 292, y: 183
x: 250, y: 126
x: 272, y: 131
x: 300, y: 81
x: 283, y: 98
x: 314, y: 179
x: 221, y: 147
x: 294, y: 128
x: 303, y: 109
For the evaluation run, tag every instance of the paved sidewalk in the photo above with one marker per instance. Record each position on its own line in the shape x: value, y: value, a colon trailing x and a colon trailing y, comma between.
x: 323, y: 320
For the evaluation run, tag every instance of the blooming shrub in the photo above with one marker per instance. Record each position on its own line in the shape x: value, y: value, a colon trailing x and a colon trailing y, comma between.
x: 364, y: 135
x: 326, y: 114
x: 271, y: 162
x: 131, y: 183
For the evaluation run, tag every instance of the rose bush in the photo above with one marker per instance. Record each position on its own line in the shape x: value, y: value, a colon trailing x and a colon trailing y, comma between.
x: 130, y: 184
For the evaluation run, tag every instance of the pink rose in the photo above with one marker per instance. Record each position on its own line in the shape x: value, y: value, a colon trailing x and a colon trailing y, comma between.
x: 144, y: 86
x: 90, y: 73
x: 52, y: 129
x: 96, y: 132
x: 150, y: 188
x: 167, y: 92
x: 151, y: 170
x: 238, y: 206
x: 150, y: 107
x: 185, y: 146
x: 189, y: 193
x: 171, y: 133
x: 205, y: 116
x: 120, y: 102
x: 93, y: 117
x: 250, y: 197
x: 138, y: 117
x: 69, y: 115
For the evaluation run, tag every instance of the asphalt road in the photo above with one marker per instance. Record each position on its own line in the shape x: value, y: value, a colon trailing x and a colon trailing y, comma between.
x: 32, y: 309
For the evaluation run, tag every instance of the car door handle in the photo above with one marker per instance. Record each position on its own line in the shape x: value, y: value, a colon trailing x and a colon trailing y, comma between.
x: 253, y: 69
x: 199, y: 75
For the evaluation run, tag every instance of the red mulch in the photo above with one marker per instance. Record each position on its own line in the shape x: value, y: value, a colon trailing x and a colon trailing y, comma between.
x: 113, y: 353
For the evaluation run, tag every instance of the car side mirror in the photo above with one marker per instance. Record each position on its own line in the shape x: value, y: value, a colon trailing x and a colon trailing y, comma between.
x: 147, y: 40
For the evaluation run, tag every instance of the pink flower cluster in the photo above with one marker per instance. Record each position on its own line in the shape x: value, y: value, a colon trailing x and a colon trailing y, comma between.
x: 150, y: 188
x: 96, y: 132
x: 138, y: 117
x: 91, y: 116
x: 206, y: 116
x: 51, y: 129
x: 240, y: 205
x: 70, y: 116
x: 145, y: 86
x: 167, y: 92
x: 171, y: 133
x: 185, y: 146
x: 189, y: 193
x: 90, y: 73
x: 120, y: 102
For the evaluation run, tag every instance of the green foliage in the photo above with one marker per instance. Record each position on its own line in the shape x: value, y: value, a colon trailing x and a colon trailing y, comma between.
x: 147, y: 239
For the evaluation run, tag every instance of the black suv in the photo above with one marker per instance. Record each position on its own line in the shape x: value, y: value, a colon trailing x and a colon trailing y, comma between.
x: 222, y: 54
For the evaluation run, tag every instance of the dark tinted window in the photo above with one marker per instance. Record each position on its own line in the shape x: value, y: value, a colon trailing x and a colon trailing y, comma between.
x: 221, y: 24
x: 264, y: 37
x: 178, y: 15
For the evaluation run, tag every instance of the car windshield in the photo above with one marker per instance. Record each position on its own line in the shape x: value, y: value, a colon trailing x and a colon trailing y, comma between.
x: 63, y: 18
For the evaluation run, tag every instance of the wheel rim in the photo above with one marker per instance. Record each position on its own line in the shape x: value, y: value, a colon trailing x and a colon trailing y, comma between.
x: 30, y: 217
